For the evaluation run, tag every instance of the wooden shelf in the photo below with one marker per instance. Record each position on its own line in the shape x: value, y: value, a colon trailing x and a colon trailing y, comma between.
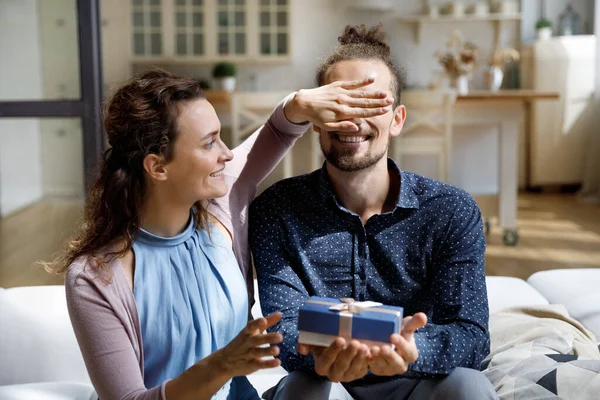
x: 497, y: 19
x: 466, y: 18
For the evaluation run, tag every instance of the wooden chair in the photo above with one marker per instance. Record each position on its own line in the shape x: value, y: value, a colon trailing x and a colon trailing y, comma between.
x: 427, y: 129
x: 250, y: 110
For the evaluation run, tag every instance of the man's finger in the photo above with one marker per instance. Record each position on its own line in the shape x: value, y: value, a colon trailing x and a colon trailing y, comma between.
x: 344, y: 359
x: 303, y: 349
x: 396, y: 363
x: 407, y: 350
x: 325, y: 360
x: 359, y: 364
x: 411, y: 324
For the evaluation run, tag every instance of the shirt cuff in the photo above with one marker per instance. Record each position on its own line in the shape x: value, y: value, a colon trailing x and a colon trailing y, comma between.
x: 163, y: 389
x: 281, y: 122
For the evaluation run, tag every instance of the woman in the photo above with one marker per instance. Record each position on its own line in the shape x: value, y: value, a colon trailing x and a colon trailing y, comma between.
x: 155, y: 279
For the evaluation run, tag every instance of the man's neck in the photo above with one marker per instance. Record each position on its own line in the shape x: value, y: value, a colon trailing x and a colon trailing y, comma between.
x: 366, y: 192
x: 164, y: 217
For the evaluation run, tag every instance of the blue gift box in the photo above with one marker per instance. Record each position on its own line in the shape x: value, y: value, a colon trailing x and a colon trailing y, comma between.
x: 322, y: 319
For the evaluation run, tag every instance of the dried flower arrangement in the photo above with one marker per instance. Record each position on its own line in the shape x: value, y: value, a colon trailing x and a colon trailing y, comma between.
x: 459, y: 58
x: 501, y: 57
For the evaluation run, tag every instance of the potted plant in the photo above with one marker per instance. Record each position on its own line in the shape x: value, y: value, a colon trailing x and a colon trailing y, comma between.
x: 224, y: 75
x: 543, y: 28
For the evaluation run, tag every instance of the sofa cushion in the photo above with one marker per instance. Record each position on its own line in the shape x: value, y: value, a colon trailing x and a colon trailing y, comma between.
x: 48, y: 391
x: 506, y: 292
x: 577, y: 289
x: 37, y: 342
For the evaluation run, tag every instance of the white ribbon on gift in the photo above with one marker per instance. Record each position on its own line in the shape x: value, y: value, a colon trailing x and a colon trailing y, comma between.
x: 348, y: 307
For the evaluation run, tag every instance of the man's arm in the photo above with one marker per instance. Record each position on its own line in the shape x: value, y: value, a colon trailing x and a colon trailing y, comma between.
x: 280, y: 288
x: 458, y: 333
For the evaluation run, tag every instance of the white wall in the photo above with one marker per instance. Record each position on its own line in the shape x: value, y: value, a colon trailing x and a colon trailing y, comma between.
x: 531, y: 13
x: 20, y: 79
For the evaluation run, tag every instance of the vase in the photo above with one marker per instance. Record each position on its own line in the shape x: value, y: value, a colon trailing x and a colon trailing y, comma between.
x: 227, y: 84
x: 461, y: 84
x: 493, y: 78
x: 544, y: 33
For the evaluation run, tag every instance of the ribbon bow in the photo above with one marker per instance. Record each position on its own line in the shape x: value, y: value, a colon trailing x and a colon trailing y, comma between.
x: 354, y: 307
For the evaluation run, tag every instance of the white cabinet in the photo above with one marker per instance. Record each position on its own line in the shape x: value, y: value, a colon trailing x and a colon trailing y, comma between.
x: 559, y: 129
x: 209, y: 30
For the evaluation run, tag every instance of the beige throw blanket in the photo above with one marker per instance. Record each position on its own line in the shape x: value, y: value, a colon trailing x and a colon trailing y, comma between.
x: 540, y: 352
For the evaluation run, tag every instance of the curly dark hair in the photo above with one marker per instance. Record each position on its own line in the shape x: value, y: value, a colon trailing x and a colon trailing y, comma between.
x: 359, y: 43
x: 140, y: 119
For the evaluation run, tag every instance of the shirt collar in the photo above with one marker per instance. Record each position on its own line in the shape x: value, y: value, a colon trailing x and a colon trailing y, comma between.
x: 408, y: 193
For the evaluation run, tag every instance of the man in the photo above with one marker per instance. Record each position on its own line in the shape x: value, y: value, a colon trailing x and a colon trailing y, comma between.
x: 359, y: 227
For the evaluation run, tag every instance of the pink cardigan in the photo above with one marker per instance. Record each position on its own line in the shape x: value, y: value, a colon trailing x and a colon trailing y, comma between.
x: 105, y: 317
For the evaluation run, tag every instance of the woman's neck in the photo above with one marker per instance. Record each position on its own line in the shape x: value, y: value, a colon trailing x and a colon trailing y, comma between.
x: 163, y: 217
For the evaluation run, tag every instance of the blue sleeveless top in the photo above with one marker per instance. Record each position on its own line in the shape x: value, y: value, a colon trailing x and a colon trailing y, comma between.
x: 191, y: 299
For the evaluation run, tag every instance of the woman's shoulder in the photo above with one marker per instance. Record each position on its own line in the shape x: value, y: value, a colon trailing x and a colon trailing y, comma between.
x: 91, y: 274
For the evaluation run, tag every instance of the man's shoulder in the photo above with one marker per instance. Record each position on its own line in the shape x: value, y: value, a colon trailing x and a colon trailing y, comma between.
x: 431, y: 191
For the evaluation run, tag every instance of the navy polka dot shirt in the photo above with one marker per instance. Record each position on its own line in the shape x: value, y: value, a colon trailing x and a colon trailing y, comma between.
x: 425, y: 255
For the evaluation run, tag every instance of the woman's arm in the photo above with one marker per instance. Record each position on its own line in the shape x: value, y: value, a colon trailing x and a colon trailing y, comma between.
x: 330, y: 107
x: 112, y: 355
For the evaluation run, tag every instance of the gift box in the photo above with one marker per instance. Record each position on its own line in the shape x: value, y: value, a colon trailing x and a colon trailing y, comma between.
x: 322, y: 319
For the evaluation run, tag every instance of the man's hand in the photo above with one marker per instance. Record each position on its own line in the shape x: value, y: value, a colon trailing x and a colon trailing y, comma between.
x: 338, y: 362
x: 386, y: 361
x: 335, y: 106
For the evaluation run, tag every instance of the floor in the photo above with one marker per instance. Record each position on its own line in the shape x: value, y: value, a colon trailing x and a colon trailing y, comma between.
x: 557, y: 231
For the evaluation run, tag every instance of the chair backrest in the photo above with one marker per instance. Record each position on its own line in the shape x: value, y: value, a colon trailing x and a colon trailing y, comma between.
x: 429, y: 110
x: 249, y: 110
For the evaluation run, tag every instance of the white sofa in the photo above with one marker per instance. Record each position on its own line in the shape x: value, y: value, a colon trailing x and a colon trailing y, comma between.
x: 40, y: 359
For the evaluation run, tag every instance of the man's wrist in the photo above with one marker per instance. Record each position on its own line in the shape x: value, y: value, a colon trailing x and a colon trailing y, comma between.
x: 294, y: 109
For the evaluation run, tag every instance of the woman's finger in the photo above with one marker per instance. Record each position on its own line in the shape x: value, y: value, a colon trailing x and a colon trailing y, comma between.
x: 263, y: 323
x: 341, y: 126
x: 354, y: 112
x: 355, y: 84
x: 367, y: 102
x: 266, y: 338
x: 260, y: 352
x: 266, y: 363
x: 273, y: 319
x: 368, y: 94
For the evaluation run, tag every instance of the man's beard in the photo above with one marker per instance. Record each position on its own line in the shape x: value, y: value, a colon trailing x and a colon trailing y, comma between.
x: 346, y: 160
